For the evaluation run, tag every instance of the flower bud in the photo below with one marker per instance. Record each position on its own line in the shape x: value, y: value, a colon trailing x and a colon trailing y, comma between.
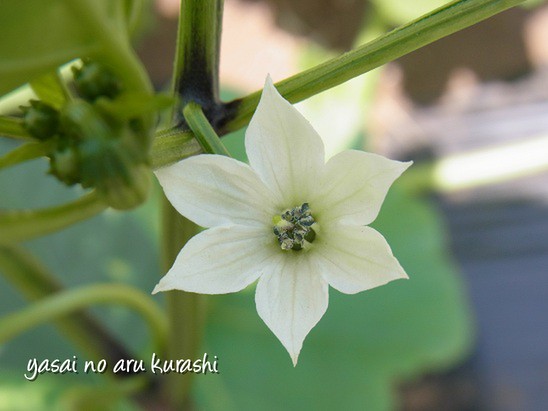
x: 106, y: 156
x: 81, y: 121
x: 128, y: 190
x: 94, y: 80
x: 40, y: 120
x: 64, y: 164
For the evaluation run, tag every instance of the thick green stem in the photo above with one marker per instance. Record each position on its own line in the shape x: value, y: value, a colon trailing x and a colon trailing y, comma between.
x: 195, y: 79
x: 204, y: 133
x: 20, y: 225
x: 196, y: 70
x: 70, y: 301
x: 442, y: 22
x: 35, y: 282
x: 185, y: 310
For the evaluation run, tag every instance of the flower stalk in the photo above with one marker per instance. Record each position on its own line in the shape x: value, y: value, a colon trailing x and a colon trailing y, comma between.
x: 204, y: 133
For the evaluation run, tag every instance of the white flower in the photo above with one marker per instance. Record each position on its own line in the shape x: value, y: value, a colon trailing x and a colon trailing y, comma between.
x: 288, y: 219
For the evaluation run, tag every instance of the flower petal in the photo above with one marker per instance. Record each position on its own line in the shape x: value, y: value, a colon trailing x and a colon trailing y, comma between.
x: 283, y: 148
x: 353, y: 258
x: 354, y: 186
x: 219, y: 260
x: 215, y: 190
x: 291, y: 298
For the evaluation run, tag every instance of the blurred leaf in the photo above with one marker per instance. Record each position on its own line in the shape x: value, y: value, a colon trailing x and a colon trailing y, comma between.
x: 50, y: 89
x: 40, y: 35
x: 364, y: 345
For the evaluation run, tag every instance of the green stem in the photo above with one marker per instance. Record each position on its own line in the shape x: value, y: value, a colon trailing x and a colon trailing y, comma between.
x: 13, y: 127
x: 70, y: 301
x: 20, y: 225
x: 195, y: 79
x: 185, y: 310
x: 25, y: 152
x: 439, y: 23
x: 196, y: 69
x: 172, y: 145
x: 204, y: 133
x: 34, y: 281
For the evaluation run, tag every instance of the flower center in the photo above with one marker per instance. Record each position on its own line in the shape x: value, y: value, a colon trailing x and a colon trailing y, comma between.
x: 293, y: 228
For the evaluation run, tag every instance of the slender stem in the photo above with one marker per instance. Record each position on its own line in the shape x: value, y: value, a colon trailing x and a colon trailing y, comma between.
x: 20, y: 225
x: 70, y: 301
x: 185, y: 310
x: 34, y: 281
x: 442, y: 22
x: 13, y: 127
x: 196, y: 69
x: 25, y: 152
x: 204, y: 133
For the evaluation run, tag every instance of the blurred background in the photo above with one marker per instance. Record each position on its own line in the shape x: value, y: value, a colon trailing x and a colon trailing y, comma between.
x: 468, y: 332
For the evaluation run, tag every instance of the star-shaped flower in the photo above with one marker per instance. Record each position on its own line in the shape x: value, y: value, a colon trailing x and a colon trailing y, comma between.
x: 290, y: 220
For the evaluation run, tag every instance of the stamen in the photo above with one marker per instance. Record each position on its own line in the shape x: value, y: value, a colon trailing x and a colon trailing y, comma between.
x: 294, y: 228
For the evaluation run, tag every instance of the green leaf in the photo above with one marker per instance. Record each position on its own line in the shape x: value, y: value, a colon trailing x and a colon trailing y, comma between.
x: 365, y: 343
x: 40, y: 35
